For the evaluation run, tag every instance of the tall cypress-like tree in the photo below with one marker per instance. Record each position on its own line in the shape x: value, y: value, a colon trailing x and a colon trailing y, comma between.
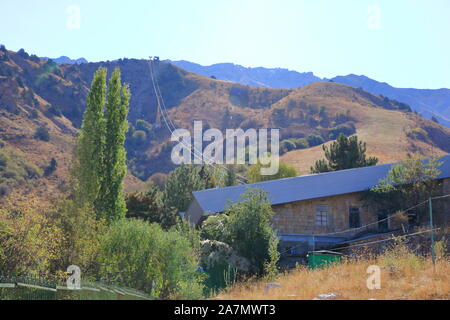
x: 87, y: 168
x: 110, y: 203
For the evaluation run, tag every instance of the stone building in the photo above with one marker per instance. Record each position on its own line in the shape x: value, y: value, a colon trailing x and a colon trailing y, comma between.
x: 321, y: 209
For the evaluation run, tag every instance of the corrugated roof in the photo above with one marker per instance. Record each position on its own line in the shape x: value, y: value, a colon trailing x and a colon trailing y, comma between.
x: 305, y: 187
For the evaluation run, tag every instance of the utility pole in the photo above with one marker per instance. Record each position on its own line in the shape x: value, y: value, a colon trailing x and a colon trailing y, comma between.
x: 433, y: 253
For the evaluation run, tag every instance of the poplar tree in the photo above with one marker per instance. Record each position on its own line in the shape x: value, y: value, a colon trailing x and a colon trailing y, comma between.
x: 88, y: 154
x: 111, y: 203
x: 100, y: 156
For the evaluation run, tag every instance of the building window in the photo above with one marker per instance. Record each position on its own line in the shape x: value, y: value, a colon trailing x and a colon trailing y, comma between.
x: 322, y: 216
x: 354, y: 220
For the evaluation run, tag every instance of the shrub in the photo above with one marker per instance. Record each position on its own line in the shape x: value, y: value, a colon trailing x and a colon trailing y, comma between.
x: 417, y: 134
x: 301, y: 143
x: 51, y: 167
x: 284, y: 171
x: 144, y: 205
x: 399, y: 258
x: 29, y: 240
x: 15, y: 168
x: 141, y: 255
x: 55, y: 110
x: 42, y: 133
x: 248, y: 229
x: 33, y: 114
x: 139, y: 137
x: 213, y: 226
x: 347, y: 129
x: 144, y: 126
x: 314, y: 140
x: 82, y: 232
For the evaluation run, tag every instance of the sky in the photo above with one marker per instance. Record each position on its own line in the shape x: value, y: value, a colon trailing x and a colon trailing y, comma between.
x: 405, y: 43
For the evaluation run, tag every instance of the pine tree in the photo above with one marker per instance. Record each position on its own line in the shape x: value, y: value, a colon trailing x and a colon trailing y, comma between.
x: 344, y: 153
x: 88, y: 154
x: 111, y: 203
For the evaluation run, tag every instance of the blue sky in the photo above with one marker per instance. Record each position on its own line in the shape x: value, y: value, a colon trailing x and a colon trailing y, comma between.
x: 402, y: 42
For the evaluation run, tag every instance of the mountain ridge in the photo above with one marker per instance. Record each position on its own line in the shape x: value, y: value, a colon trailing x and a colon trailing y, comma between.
x: 429, y: 102
x: 37, y: 93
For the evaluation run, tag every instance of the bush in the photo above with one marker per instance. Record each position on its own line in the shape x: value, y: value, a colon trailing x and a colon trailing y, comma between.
x: 42, y: 133
x: 139, y: 137
x: 82, y: 232
x: 144, y: 205
x: 417, y: 134
x: 314, y: 140
x: 213, y: 226
x: 287, y: 145
x: 137, y: 254
x: 55, y: 110
x: 29, y: 240
x: 51, y: 167
x: 284, y: 171
x: 347, y: 129
x: 144, y: 126
x: 248, y: 229
x: 15, y: 168
x: 33, y: 114
x: 301, y: 143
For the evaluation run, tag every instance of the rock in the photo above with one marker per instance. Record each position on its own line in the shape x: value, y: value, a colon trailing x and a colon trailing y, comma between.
x: 269, y: 285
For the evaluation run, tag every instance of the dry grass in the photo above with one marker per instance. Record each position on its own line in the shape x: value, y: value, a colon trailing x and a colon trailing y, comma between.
x: 403, y: 276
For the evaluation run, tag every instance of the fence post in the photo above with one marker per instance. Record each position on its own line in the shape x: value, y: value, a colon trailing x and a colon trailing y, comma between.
x: 433, y: 253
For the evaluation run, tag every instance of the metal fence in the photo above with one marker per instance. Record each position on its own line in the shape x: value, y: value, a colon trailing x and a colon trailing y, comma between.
x: 33, y: 288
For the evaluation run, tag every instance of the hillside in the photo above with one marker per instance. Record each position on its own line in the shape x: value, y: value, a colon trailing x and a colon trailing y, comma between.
x: 427, y: 102
x: 36, y: 93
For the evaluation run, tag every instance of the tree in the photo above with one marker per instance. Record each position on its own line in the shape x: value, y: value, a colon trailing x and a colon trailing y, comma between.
x: 248, y: 229
x: 88, y: 160
x: 344, y: 153
x: 42, y: 133
x: 100, y: 158
x: 284, y: 171
x: 144, y: 205
x: 111, y: 202
x: 230, y: 178
x: 180, y: 184
x: 408, y: 183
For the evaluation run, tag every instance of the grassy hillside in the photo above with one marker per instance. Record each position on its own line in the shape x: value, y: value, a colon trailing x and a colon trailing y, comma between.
x: 39, y: 95
x: 390, y: 134
x: 403, y: 275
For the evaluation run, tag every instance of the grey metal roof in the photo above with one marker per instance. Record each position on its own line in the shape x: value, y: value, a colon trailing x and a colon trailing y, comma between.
x: 305, y: 187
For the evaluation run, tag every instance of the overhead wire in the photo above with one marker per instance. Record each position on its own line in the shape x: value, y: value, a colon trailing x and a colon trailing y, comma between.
x: 171, y: 126
x: 366, y: 225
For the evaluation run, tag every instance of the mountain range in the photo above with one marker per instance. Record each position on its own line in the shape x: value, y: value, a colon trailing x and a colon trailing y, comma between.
x: 430, y: 103
x: 42, y: 103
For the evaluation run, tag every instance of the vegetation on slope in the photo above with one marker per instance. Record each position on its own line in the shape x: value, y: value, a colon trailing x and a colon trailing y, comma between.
x: 404, y: 275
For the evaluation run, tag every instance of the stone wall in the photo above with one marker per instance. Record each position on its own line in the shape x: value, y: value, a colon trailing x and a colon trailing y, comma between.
x: 300, y: 217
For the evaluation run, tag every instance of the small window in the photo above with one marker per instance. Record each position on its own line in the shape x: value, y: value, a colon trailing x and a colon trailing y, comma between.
x: 354, y: 220
x: 322, y: 216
